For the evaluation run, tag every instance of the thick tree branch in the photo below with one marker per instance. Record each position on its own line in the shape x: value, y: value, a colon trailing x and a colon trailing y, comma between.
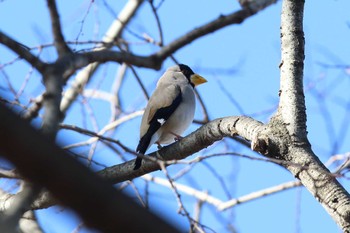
x: 107, y: 55
x: 102, y: 207
x: 22, y: 202
x: 256, y: 5
x: 60, y: 44
x: 22, y: 51
x: 52, y: 116
x: 285, y: 138
x: 292, y: 100
x: 29, y: 223
x: 205, y: 136
x: 219, y: 23
x: 155, y: 60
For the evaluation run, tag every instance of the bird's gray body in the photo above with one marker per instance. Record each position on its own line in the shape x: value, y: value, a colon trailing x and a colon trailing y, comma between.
x: 171, y: 84
x: 170, y: 109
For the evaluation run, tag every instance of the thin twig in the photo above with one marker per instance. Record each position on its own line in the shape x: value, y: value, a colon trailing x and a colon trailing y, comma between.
x: 115, y: 30
x: 182, y: 210
x: 258, y: 194
x: 139, y: 81
x: 96, y: 135
x: 160, y: 30
x: 108, y: 127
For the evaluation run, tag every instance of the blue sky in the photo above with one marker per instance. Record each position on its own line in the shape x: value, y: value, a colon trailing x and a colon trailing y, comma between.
x: 251, y: 51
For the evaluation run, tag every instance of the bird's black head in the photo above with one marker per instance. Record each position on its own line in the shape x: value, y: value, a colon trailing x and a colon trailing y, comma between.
x: 186, y: 70
x: 193, y: 79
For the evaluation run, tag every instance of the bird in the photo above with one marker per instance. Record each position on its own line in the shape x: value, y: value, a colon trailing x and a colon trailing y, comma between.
x: 170, y: 109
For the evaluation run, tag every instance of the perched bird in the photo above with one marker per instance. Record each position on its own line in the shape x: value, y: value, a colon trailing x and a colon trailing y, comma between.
x: 170, y: 109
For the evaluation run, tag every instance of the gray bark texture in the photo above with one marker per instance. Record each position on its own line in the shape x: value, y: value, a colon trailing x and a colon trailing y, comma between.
x: 283, y: 138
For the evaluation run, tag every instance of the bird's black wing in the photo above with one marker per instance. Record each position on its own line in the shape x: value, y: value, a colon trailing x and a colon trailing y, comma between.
x: 158, y: 119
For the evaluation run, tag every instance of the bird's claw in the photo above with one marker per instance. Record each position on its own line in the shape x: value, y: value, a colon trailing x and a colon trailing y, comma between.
x: 159, y: 146
x: 178, y: 138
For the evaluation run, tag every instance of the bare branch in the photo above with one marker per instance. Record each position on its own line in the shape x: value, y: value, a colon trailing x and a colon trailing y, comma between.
x: 29, y: 223
x: 9, y: 173
x: 108, y: 210
x: 200, y: 195
x: 112, y: 34
x: 155, y: 60
x: 105, y: 129
x: 256, y: 5
x: 102, y: 55
x: 203, y: 196
x: 60, y: 44
x: 52, y: 116
x: 139, y: 81
x: 33, y: 110
x: 292, y: 99
x: 116, y: 103
x: 181, y: 210
x: 22, y: 51
x: 221, y: 22
x: 285, y: 137
x: 95, y: 136
x: 160, y: 31
x: 258, y: 194
x: 203, y: 137
x: 21, y: 203
x: 204, y: 109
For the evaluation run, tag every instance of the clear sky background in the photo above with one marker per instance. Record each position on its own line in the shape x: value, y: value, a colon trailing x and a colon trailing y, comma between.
x: 241, y: 64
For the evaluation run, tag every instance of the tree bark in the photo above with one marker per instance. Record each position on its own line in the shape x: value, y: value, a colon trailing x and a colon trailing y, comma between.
x: 285, y: 136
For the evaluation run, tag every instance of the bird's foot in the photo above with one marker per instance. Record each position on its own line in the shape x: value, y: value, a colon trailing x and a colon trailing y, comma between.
x: 177, y: 137
x: 159, y: 146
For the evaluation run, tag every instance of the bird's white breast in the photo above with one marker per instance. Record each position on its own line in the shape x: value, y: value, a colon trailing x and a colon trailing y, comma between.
x: 180, y: 120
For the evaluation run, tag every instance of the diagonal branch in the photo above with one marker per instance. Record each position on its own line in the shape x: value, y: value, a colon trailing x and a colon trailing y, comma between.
x: 107, y: 210
x: 22, y: 52
x: 258, y: 194
x: 220, y: 205
x: 219, y: 23
x: 155, y: 60
x: 22, y: 202
x: 205, y: 136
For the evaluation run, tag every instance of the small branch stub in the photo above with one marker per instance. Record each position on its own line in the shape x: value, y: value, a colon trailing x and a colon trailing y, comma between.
x: 260, y: 145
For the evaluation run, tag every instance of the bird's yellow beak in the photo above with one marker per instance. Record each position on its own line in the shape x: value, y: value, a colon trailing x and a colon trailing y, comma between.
x: 196, y: 79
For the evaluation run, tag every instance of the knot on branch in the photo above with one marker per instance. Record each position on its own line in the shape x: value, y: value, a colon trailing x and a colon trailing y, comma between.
x: 272, y: 140
x: 260, y: 144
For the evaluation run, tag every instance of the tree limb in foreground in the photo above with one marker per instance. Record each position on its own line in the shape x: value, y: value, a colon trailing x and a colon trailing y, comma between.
x: 95, y: 200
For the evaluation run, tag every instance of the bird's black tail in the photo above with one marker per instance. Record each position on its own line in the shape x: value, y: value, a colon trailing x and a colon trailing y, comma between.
x: 141, y: 149
x: 137, y: 163
x: 154, y: 125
